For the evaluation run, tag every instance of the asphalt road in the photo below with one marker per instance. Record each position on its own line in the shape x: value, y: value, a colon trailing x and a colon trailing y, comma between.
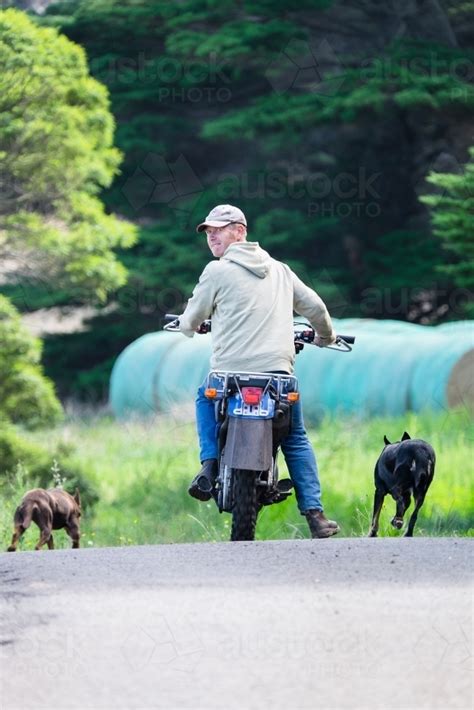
x: 338, y: 623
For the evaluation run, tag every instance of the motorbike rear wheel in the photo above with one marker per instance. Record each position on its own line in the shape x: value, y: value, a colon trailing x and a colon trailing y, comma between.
x: 244, y: 509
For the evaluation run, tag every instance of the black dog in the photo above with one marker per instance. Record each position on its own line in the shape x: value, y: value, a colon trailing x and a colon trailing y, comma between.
x: 404, y: 468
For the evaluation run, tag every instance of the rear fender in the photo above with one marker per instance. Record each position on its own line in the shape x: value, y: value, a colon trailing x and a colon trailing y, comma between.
x: 248, y: 444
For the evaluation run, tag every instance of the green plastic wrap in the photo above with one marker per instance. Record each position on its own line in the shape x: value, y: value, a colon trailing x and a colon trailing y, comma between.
x: 394, y: 367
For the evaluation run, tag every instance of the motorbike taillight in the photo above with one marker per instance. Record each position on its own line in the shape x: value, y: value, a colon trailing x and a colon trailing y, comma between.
x: 252, y: 395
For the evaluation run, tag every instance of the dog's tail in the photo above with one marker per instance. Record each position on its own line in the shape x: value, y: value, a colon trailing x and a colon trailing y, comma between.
x: 24, y: 515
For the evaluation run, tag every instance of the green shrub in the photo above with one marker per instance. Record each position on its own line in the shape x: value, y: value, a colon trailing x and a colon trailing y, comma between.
x: 142, y: 470
x: 26, y: 395
x: 40, y: 466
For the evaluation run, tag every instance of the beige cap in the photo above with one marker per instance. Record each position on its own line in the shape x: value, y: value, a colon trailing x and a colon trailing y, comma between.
x: 221, y: 216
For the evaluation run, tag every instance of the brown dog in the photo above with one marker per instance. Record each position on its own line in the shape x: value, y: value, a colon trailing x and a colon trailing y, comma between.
x: 50, y: 509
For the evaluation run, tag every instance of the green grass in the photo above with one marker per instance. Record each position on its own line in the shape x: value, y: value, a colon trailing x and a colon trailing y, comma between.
x: 142, y: 470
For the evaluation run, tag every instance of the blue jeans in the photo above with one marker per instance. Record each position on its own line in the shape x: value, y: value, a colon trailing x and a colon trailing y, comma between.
x: 297, y: 450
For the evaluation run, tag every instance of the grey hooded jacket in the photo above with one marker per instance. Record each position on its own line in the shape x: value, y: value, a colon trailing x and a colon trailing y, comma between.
x: 251, y: 298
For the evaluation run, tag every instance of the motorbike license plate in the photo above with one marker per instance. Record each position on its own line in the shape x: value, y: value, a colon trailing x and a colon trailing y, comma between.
x: 264, y: 410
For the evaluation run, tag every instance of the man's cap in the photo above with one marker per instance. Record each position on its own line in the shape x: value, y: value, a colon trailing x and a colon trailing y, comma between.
x: 221, y: 216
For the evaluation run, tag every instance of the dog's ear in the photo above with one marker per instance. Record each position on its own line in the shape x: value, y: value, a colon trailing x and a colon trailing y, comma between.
x: 77, y: 497
x: 386, y: 441
x: 406, y: 436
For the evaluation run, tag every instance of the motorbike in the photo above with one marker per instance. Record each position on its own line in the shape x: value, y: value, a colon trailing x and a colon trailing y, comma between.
x: 253, y: 413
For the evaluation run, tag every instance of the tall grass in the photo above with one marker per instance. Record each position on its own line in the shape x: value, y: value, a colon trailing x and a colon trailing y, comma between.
x: 12, y: 490
x: 142, y: 469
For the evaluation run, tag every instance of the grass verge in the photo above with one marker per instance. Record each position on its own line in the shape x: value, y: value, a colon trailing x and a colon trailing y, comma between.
x: 141, y: 471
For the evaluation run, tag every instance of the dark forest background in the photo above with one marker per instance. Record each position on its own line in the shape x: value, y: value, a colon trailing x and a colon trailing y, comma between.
x: 322, y: 123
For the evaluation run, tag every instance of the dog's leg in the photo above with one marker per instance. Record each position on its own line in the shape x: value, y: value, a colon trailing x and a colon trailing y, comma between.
x: 378, y: 503
x: 45, y: 534
x: 406, y: 500
x: 44, y: 520
x: 21, y: 522
x: 419, y: 500
x: 73, y: 532
x: 51, y: 542
x: 403, y: 503
x: 19, y: 530
x: 420, y: 492
x: 402, y: 500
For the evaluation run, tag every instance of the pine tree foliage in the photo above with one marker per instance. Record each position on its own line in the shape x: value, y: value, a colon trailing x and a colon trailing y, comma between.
x: 452, y: 211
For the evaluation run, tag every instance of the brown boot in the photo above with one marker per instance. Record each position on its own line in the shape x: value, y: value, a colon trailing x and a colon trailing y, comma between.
x: 319, y: 525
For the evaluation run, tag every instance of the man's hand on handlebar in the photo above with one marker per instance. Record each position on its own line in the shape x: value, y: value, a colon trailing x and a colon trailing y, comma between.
x: 173, y: 324
x: 324, y: 342
x: 204, y: 328
x: 307, y: 335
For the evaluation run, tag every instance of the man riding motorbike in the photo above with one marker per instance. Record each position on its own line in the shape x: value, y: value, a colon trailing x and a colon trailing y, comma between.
x: 251, y: 298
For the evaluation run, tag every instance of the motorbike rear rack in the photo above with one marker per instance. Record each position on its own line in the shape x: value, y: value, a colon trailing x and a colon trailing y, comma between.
x: 229, y: 381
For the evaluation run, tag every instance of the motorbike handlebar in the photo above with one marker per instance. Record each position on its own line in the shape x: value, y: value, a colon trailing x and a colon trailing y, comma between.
x: 349, y: 339
x: 173, y: 325
x: 303, y: 337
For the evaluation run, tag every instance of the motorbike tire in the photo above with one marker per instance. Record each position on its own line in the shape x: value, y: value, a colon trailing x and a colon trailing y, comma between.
x: 244, y: 509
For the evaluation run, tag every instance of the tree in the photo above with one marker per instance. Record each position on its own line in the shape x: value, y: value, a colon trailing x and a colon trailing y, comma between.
x: 452, y: 213
x: 25, y: 394
x: 320, y: 121
x: 56, y: 154
x: 326, y: 101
